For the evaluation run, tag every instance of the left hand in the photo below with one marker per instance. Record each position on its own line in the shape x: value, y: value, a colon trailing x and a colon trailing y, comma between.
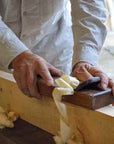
x: 84, y: 71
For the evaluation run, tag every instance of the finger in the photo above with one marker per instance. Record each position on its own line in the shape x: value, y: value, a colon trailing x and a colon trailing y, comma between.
x: 18, y: 81
x: 21, y: 81
x: 55, y: 72
x: 32, y: 83
x: 45, y: 74
x: 111, y: 85
x: 104, y: 80
x: 81, y: 74
x: 97, y: 72
x: 113, y: 90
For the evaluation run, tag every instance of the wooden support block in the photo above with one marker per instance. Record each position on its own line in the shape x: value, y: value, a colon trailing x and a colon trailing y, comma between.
x: 97, y: 127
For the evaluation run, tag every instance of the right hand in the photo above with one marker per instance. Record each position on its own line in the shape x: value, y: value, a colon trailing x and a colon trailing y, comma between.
x: 27, y: 66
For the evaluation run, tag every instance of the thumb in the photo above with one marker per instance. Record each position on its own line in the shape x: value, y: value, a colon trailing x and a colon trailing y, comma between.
x: 81, y: 74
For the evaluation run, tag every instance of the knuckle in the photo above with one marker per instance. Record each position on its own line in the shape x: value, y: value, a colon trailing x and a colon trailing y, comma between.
x: 43, y: 71
x: 103, y: 76
x: 28, y: 67
x: 38, y: 60
x: 41, y: 67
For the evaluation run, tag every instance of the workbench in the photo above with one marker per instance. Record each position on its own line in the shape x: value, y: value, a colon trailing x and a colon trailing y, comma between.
x: 96, y: 127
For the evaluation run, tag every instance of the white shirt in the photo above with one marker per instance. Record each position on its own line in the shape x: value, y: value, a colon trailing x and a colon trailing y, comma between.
x: 45, y: 27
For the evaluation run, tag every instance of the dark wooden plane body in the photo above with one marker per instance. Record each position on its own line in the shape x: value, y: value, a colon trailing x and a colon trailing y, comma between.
x: 87, y: 94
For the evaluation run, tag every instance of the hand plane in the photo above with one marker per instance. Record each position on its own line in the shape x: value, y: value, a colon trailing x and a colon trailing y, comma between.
x: 88, y: 94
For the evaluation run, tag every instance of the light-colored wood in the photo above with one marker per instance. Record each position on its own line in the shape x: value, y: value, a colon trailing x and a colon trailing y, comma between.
x: 96, y: 127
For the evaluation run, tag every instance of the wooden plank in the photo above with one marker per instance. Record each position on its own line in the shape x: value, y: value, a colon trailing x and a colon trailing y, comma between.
x: 96, y: 127
x: 25, y: 133
x: 91, y: 97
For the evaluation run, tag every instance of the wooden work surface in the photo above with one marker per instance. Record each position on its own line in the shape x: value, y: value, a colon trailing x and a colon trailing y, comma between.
x: 95, y: 127
x: 25, y: 133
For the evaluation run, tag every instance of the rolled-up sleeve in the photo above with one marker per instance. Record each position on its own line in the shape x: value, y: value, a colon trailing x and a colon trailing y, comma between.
x: 10, y: 45
x: 89, y: 28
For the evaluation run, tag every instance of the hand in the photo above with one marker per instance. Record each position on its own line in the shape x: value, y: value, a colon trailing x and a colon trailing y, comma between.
x: 84, y: 71
x: 27, y: 66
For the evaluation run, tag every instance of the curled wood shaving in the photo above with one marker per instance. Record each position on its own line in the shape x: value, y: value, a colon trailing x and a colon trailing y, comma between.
x: 66, y: 84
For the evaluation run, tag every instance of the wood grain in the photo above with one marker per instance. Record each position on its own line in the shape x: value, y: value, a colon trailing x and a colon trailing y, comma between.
x: 25, y: 133
x: 97, y: 127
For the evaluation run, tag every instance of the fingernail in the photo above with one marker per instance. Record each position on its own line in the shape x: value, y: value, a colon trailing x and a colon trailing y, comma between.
x: 104, y: 86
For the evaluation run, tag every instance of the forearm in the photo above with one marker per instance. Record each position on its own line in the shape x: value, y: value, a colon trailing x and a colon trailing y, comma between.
x: 10, y: 45
x: 89, y: 29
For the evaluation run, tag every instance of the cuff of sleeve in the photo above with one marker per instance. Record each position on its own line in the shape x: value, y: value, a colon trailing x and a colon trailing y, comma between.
x: 10, y: 46
x: 87, y: 54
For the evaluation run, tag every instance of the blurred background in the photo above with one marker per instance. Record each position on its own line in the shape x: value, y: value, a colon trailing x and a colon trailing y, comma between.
x: 106, y: 58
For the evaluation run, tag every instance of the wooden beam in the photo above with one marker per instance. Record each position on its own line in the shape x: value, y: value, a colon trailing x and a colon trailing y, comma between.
x: 97, y: 127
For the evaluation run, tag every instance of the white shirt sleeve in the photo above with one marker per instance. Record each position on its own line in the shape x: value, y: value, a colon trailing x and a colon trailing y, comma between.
x: 10, y: 45
x: 89, y: 29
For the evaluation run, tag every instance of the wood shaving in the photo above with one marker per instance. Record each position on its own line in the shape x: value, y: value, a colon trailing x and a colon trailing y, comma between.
x: 66, y: 84
x: 7, y: 118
